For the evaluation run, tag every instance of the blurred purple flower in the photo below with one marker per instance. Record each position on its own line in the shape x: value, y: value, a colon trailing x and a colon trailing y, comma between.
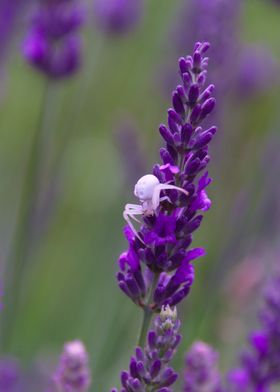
x: 118, y: 16
x: 201, y: 371
x: 52, y: 44
x: 260, y: 364
x: 149, y: 369
x: 257, y: 72
x: 131, y: 154
x: 9, y: 11
x: 72, y: 374
x: 10, y: 376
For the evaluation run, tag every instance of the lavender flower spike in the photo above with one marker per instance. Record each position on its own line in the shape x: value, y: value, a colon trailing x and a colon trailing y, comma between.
x: 73, y: 374
x: 173, y: 198
x: 149, y: 370
x: 260, y: 364
x: 10, y: 375
x: 118, y: 16
x: 52, y: 44
x: 201, y: 372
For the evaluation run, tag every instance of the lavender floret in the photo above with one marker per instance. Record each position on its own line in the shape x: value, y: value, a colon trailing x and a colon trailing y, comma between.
x: 118, y: 16
x: 149, y: 368
x: 9, y: 13
x: 201, y: 371
x: 52, y: 44
x: 72, y: 374
x: 10, y: 375
x: 257, y: 71
x: 260, y: 364
x: 159, y: 252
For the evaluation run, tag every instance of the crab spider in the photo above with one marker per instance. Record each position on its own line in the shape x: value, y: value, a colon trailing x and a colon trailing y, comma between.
x: 147, y: 189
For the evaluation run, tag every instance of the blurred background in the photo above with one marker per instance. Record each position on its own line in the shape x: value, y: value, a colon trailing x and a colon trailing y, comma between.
x: 74, y: 142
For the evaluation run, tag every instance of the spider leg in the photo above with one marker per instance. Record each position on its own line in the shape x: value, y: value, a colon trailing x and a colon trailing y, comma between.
x: 156, y: 199
x: 133, y: 206
x: 129, y: 212
x: 167, y: 186
x: 133, y: 209
x: 165, y: 198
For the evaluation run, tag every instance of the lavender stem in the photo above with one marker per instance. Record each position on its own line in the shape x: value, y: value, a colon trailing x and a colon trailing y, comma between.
x: 147, y: 313
x: 147, y: 317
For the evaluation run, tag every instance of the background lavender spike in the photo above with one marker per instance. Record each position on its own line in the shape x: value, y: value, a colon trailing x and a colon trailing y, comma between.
x: 257, y: 71
x: 260, y: 364
x: 149, y: 368
x: 201, y: 372
x: 52, y: 44
x: 72, y: 374
x: 10, y: 375
x: 118, y: 16
x: 162, y: 257
x: 128, y: 142
x: 9, y: 12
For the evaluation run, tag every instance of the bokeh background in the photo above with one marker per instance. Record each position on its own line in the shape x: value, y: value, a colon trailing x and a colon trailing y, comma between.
x: 99, y: 136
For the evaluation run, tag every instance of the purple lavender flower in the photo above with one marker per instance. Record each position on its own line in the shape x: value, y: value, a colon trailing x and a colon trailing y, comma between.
x: 130, y: 151
x: 73, y: 373
x: 257, y: 71
x: 201, y: 372
x: 52, y: 44
x: 173, y: 198
x: 9, y: 11
x: 118, y: 16
x: 149, y: 369
x: 260, y: 364
x: 9, y: 375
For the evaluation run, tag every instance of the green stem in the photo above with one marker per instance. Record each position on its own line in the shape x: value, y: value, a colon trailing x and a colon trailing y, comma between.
x: 147, y: 316
x: 147, y: 313
x: 21, y: 244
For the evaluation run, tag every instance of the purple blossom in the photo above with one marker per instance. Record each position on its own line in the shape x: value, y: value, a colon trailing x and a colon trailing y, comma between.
x: 260, y: 364
x: 9, y: 11
x: 10, y: 375
x: 201, y: 371
x: 52, y: 44
x: 72, y: 374
x: 258, y: 71
x: 133, y: 159
x: 118, y: 16
x: 149, y: 368
x: 161, y: 248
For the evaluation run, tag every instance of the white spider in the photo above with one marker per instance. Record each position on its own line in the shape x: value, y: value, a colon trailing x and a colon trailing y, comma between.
x: 147, y: 189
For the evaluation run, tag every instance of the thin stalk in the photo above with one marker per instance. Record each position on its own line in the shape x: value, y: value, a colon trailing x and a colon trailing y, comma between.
x: 21, y: 243
x: 147, y: 314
